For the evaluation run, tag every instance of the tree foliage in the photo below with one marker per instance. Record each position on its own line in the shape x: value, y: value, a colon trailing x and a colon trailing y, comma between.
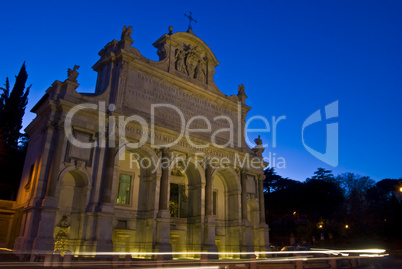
x: 322, y: 174
x: 12, y: 109
x: 12, y: 142
x: 349, y: 207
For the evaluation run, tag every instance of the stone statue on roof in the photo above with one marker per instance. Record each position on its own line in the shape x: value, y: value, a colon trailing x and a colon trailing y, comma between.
x: 241, y: 89
x: 73, y: 74
x: 126, y: 33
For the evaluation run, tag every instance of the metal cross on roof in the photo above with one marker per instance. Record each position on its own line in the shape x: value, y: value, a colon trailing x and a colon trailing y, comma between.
x: 190, y: 17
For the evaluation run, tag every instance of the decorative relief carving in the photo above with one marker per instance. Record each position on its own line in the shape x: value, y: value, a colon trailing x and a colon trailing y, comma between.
x: 79, y: 164
x: 180, y: 61
x: 200, y: 72
x: 251, y: 197
x: 176, y: 172
x: 164, y: 153
x: 191, y: 62
x: 124, y: 66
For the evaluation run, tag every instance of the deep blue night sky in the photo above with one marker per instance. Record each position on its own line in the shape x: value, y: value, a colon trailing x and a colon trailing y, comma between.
x: 294, y: 57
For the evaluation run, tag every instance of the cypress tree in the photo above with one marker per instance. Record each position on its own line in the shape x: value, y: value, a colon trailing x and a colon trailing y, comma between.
x: 12, y: 155
x: 12, y: 109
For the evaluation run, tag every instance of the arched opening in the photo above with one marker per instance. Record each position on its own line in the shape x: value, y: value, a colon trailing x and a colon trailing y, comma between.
x: 71, y: 209
x: 226, y: 208
x: 134, y: 198
x: 185, y: 208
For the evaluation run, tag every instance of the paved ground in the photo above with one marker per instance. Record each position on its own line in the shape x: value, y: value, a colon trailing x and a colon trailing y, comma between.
x: 382, y: 263
x: 392, y: 262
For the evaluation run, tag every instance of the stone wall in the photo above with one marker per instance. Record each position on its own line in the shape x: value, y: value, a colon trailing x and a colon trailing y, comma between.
x: 9, y: 223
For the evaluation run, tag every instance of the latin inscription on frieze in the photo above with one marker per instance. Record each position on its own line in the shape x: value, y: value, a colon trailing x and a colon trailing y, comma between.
x: 175, y: 108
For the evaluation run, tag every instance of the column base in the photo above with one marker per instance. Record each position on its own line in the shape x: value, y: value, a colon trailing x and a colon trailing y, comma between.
x: 162, y: 241
x: 104, y: 233
x: 23, y: 243
x: 209, y: 238
x: 247, y: 242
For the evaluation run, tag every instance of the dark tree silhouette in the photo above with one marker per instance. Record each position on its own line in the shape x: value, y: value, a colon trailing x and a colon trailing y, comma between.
x: 322, y: 174
x: 12, y: 109
x: 352, y: 209
x: 12, y: 152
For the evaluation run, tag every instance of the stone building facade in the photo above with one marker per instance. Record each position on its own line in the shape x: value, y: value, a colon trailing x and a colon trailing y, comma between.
x: 153, y: 161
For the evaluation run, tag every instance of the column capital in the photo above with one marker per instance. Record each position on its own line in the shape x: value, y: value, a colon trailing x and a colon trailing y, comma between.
x: 164, y: 152
x: 56, y: 124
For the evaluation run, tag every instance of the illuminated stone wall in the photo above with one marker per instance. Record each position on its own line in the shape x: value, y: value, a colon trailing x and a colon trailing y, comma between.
x: 95, y: 162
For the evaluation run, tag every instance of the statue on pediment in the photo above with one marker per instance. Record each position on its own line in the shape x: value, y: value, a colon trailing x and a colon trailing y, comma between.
x: 72, y: 74
x: 191, y: 62
x: 258, y: 141
x: 241, y: 89
x: 258, y: 149
x: 180, y: 62
x: 200, y: 72
x: 126, y: 33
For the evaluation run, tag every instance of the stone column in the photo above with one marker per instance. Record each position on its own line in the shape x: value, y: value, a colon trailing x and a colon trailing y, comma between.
x: 247, y: 237
x: 105, y: 210
x: 59, y: 138
x: 164, y: 184
x: 208, y: 190
x: 107, y: 175
x: 264, y: 230
x: 162, y: 240
x: 44, y: 239
x: 243, y: 178
x: 261, y: 199
x: 209, y: 220
x: 32, y: 209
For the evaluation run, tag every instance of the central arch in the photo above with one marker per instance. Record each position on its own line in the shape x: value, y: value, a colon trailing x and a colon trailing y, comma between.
x: 226, y: 208
x: 186, y: 179
x: 135, y: 197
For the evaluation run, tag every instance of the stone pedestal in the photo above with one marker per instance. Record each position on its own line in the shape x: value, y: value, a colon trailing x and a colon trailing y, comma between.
x: 209, y: 238
x: 162, y: 239
x: 247, y: 242
x: 246, y: 232
x: 104, y: 242
x: 44, y: 239
x: 264, y: 242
